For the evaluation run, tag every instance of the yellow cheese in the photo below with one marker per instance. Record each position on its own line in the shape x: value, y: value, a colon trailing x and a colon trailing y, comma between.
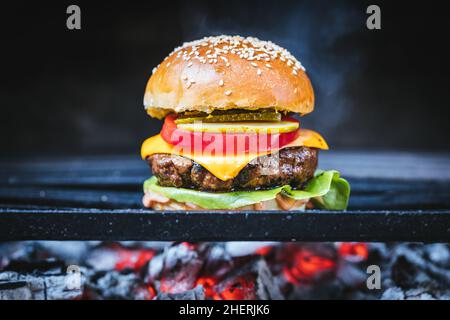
x: 227, y: 166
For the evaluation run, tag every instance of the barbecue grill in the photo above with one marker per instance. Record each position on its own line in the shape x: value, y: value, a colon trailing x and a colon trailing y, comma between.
x: 395, y: 197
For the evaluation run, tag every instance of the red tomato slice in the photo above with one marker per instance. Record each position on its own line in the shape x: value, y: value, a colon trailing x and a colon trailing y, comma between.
x: 225, y: 143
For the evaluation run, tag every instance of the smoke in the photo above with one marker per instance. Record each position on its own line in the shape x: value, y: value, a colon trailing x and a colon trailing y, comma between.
x: 316, y: 32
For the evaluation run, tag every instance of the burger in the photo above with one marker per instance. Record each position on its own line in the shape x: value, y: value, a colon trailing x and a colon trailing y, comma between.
x: 231, y: 137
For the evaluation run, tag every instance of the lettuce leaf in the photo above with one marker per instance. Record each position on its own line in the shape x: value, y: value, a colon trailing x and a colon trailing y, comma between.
x: 212, y: 200
x: 327, y: 188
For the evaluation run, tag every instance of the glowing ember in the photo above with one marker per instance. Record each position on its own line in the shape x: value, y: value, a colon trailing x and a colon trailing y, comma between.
x: 151, y: 292
x: 133, y: 259
x: 264, y: 251
x: 208, y: 284
x: 305, y: 266
x: 242, y: 288
x: 190, y: 246
x: 354, y: 251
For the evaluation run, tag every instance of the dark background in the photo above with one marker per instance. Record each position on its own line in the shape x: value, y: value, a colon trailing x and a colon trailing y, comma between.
x: 80, y: 92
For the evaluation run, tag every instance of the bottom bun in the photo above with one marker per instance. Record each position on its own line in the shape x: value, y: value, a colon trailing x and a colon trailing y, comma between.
x: 159, y: 202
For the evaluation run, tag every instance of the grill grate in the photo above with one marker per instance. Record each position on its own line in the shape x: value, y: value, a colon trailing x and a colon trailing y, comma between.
x: 100, y: 199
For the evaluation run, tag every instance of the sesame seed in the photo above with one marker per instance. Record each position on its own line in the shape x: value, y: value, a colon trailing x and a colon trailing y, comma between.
x: 189, y: 64
x: 258, y: 72
x: 189, y: 84
x: 268, y: 65
x: 221, y: 83
x: 254, y: 64
x: 228, y: 92
x: 185, y: 77
x: 250, y: 49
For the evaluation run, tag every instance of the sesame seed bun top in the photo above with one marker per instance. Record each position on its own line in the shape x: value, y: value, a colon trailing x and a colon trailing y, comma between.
x: 228, y: 72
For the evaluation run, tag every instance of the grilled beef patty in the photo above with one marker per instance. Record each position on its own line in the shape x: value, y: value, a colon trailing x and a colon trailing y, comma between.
x: 290, y: 166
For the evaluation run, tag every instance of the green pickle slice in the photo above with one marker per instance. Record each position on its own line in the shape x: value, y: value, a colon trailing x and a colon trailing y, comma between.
x: 266, y: 115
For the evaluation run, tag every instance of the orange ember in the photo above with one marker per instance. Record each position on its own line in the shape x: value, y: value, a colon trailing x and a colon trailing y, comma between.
x: 241, y: 288
x: 190, y: 246
x: 208, y: 284
x: 264, y: 251
x: 306, y: 266
x: 133, y: 259
x: 354, y: 250
x: 151, y: 292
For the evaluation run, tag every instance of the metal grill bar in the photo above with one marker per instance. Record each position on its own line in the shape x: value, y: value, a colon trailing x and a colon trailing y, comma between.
x: 94, y: 224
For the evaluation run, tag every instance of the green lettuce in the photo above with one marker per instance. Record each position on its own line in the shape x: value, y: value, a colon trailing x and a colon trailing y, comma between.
x: 327, y: 190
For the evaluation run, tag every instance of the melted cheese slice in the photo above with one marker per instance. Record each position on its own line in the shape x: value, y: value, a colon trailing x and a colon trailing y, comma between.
x: 227, y: 166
